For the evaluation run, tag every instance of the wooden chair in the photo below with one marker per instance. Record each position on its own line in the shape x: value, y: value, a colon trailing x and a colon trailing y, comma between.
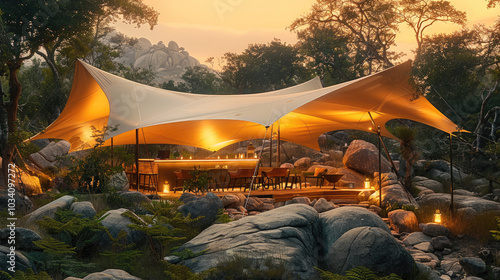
x: 275, y: 177
x: 241, y: 178
x: 317, y: 174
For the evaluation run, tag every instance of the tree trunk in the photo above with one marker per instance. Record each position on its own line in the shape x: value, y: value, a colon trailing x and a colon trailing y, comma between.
x: 15, y: 92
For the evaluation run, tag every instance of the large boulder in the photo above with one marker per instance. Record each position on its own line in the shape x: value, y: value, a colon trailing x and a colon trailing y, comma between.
x: 336, y: 222
x: 119, y: 182
x: 286, y: 233
x: 403, y: 221
x: 467, y: 206
x: 49, y: 210
x: 47, y: 157
x: 304, y: 162
x: 362, y: 157
x: 23, y: 203
x: 24, y: 238
x: 84, y: 208
x: 393, y: 194
x: 108, y: 274
x: 136, y: 201
x: 30, y: 183
x: 350, y: 177
x: 19, y: 261
x: 207, y: 206
x: 373, y: 248
x: 115, y: 221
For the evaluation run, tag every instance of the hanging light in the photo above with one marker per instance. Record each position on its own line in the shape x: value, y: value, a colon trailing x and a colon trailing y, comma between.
x: 367, y: 183
x: 437, y: 217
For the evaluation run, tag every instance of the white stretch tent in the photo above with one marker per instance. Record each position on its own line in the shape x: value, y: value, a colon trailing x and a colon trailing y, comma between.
x: 305, y: 111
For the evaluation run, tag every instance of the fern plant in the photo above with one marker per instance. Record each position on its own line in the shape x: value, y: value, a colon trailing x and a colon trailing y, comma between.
x: 166, y: 228
x: 57, y: 259
x: 73, y: 230
x: 122, y: 255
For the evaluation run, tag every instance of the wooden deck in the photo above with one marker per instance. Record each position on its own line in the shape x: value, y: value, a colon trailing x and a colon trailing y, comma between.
x: 339, y: 195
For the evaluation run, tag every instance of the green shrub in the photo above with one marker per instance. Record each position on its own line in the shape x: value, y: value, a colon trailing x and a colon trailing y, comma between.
x: 92, y: 172
x: 81, y: 233
x: 358, y: 273
x: 242, y: 268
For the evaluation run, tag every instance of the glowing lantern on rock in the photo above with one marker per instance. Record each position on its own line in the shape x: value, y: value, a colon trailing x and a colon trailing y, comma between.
x: 437, y: 217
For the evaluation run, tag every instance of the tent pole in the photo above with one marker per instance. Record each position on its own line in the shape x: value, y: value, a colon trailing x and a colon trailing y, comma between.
x: 256, y: 169
x: 112, y: 154
x: 379, y: 168
x: 451, y: 177
x: 137, y: 158
x: 278, y: 155
x: 271, y: 147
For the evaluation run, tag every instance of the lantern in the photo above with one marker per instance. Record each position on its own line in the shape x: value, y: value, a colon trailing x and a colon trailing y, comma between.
x: 437, y: 217
x: 367, y: 183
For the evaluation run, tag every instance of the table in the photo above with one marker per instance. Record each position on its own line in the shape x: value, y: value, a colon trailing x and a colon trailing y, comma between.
x: 333, y: 178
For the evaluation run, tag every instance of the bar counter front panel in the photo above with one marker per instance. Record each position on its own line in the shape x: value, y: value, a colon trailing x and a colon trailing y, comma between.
x: 166, y: 168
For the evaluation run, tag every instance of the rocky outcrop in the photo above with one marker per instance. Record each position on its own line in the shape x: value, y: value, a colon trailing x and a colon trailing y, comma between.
x: 362, y: 157
x: 169, y: 62
x: 207, y: 207
x: 286, y: 233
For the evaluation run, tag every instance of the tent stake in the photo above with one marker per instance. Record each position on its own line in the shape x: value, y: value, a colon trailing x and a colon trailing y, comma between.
x: 452, y: 208
x: 137, y: 158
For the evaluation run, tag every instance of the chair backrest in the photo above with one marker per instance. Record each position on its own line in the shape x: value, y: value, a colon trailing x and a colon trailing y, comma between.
x: 245, y: 172
x: 280, y: 172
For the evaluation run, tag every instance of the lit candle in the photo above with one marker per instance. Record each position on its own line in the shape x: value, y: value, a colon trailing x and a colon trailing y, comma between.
x: 191, y: 157
x: 166, y: 187
x: 182, y: 157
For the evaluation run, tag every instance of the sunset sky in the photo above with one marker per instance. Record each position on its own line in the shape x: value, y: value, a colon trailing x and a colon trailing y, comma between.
x: 210, y: 28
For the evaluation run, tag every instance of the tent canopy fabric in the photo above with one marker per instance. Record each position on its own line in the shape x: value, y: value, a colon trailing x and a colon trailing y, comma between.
x: 99, y: 99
